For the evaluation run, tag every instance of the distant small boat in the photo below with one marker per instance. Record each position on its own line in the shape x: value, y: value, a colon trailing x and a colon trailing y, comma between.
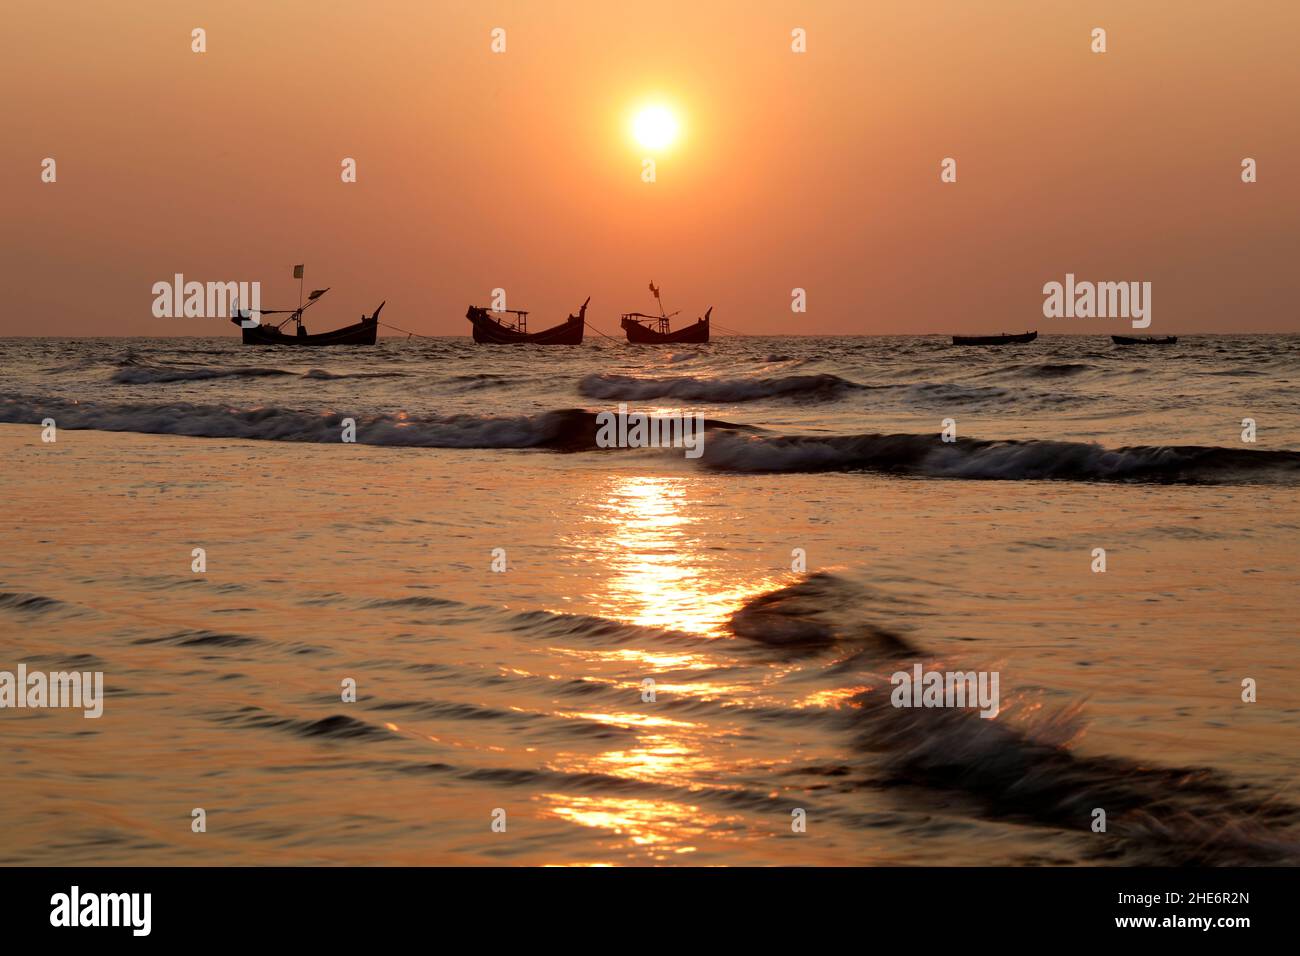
x: 489, y: 330
x: 359, y: 333
x: 1005, y: 338
x: 645, y: 329
x: 1144, y: 339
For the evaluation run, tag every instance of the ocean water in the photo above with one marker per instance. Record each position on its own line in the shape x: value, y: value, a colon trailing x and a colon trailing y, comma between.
x: 524, y: 691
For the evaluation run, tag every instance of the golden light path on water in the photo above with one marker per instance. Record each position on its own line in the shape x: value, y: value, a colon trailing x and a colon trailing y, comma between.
x: 663, y: 826
x: 657, y: 571
x: 660, y: 572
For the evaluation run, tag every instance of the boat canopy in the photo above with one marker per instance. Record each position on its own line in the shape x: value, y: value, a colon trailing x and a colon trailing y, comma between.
x: 520, y: 324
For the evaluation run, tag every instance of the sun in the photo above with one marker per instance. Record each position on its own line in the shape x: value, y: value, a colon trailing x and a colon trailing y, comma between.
x: 655, y: 127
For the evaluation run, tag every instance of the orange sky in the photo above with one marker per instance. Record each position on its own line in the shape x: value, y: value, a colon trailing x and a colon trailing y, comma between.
x: 517, y: 170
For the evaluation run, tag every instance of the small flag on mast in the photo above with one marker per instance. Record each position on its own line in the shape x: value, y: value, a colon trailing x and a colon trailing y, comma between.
x: 297, y: 272
x: 653, y: 289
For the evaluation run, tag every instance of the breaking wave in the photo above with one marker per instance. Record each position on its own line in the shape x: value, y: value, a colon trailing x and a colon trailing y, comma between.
x: 565, y: 429
x: 927, y: 456
x: 1018, y: 766
x: 730, y: 447
x: 569, y: 429
x: 722, y: 390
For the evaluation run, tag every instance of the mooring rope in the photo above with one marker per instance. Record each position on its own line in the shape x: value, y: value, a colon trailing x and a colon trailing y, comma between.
x: 594, y: 329
x: 407, y: 331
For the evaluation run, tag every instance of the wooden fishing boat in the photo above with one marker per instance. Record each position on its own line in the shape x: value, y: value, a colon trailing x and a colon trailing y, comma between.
x: 489, y: 330
x: 645, y: 329
x: 257, y: 332
x: 1144, y: 339
x: 637, y: 325
x: 1006, y: 338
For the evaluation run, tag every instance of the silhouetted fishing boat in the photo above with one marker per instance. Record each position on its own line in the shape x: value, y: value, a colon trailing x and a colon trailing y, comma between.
x: 1144, y: 339
x: 1005, y: 338
x: 492, y: 331
x: 257, y: 332
x: 645, y: 329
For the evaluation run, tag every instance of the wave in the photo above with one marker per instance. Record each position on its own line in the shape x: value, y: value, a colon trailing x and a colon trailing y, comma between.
x: 569, y: 429
x: 321, y: 374
x: 928, y: 456
x: 819, y: 611
x: 28, y: 603
x: 133, y: 373
x: 1043, y: 369
x: 725, y: 390
x: 420, y: 603
x: 155, y: 374
x: 1058, y: 369
x: 482, y: 380
x: 938, y: 394
x: 730, y: 446
x: 333, y: 727
x: 1018, y: 765
x: 202, y: 639
x: 565, y: 429
x: 552, y: 625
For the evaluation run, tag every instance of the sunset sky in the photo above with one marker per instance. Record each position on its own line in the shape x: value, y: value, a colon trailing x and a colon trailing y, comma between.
x: 519, y: 170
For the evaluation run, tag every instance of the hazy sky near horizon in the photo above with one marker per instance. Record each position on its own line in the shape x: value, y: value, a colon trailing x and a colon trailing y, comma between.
x: 820, y: 170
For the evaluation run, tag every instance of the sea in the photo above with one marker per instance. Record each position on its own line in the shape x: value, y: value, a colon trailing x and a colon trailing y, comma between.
x: 399, y: 605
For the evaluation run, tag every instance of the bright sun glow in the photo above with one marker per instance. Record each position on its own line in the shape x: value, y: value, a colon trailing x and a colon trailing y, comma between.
x: 655, y: 127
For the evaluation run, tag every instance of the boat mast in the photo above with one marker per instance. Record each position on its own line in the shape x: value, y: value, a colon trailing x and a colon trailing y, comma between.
x: 297, y: 272
x: 663, y: 316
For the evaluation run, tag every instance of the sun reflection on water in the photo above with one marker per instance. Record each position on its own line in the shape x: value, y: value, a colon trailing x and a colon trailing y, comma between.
x: 665, y: 828
x: 659, y: 570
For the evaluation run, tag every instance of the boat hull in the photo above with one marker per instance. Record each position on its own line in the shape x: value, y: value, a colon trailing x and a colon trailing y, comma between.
x: 694, y: 334
x: 1144, y: 340
x: 362, y: 333
x: 994, y: 339
x: 488, y: 331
